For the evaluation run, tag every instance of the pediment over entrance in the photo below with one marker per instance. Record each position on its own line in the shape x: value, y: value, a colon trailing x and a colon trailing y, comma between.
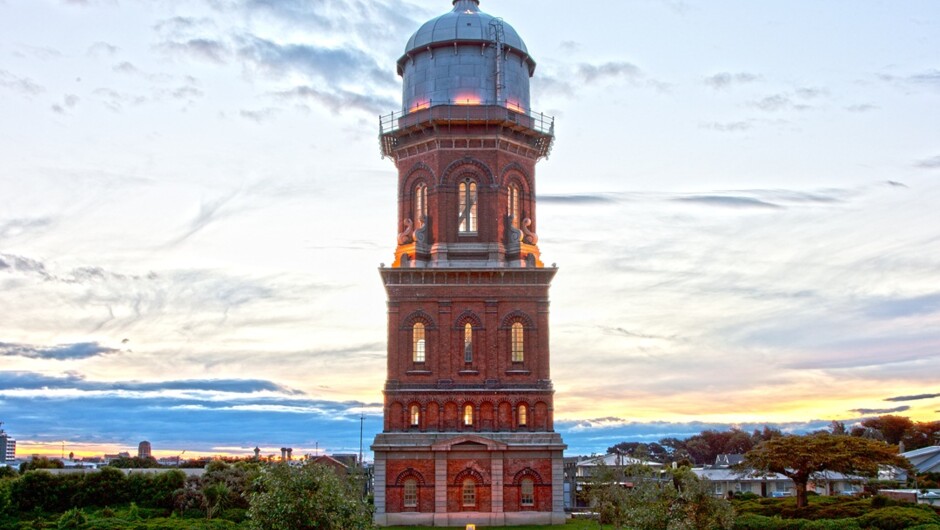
x: 469, y: 441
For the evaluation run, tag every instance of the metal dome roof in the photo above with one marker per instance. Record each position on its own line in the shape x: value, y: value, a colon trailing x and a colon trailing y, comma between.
x: 465, y: 23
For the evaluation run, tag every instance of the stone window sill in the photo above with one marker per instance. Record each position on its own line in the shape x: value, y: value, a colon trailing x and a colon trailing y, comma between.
x: 418, y: 372
x: 469, y: 372
x: 518, y: 372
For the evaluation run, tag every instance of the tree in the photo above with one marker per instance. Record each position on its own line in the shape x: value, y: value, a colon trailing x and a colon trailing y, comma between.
x: 306, y: 498
x: 41, y: 463
x: 638, y: 498
x: 893, y: 428
x: 802, y: 457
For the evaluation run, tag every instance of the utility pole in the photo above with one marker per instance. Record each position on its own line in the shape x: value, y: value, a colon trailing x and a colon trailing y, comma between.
x: 362, y: 417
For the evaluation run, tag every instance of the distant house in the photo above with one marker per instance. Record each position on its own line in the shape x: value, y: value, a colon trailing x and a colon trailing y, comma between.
x: 338, y: 467
x: 724, y: 480
x: 926, y: 460
x: 580, y: 471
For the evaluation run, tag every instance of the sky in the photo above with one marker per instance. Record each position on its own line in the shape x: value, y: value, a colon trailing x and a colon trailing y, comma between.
x: 742, y: 201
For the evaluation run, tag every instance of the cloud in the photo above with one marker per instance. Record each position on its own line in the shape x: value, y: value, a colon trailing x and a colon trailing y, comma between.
x: 633, y: 335
x: 63, y: 352
x: 730, y: 202
x: 929, y: 163
x: 68, y: 102
x: 17, y: 227
x: 735, y: 126
x: 577, y: 199
x: 196, y: 415
x: 774, y: 103
x: 209, y: 212
x: 724, y: 80
x: 338, y: 100
x: 204, y: 49
x: 102, y: 48
x: 23, y: 85
x: 930, y: 77
x: 13, y: 263
x: 259, y: 116
x: 590, y: 73
x: 865, y: 107
x: 334, y: 65
x: 811, y: 92
x: 869, y: 412
x: 917, y: 397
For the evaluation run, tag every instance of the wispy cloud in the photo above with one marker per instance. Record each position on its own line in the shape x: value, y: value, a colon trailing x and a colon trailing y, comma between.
x: 338, y: 100
x: 929, y: 163
x: 273, y: 59
x: 577, y: 199
x: 917, y: 397
x: 867, y: 412
x: 18, y: 227
x: 23, y: 85
x: 205, y: 49
x: 724, y: 80
x: 734, y: 126
x: 730, y: 202
x: 62, y: 352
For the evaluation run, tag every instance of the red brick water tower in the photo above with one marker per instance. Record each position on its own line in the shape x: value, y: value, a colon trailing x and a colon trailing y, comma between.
x: 468, y: 434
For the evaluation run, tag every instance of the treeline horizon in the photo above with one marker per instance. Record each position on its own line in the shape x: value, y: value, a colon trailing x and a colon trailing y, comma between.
x: 705, y: 447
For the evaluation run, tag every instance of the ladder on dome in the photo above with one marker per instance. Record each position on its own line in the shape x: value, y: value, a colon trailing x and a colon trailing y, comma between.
x: 498, y: 36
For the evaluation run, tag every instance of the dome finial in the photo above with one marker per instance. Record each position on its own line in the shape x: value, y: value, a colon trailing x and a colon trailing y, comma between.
x: 466, y: 3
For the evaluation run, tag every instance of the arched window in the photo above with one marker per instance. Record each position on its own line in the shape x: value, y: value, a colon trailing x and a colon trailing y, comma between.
x: 468, y: 343
x: 514, y: 213
x: 469, y: 492
x: 527, y: 492
x: 523, y: 415
x: 418, y: 341
x: 415, y: 413
x: 468, y: 415
x: 421, y: 202
x: 518, y: 343
x: 411, y: 493
x: 467, y: 216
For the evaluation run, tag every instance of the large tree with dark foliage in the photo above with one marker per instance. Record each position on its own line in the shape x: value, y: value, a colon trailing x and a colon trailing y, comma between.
x: 802, y: 457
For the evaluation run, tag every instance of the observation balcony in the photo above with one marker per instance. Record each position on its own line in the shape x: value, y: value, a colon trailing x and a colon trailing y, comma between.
x: 537, y: 128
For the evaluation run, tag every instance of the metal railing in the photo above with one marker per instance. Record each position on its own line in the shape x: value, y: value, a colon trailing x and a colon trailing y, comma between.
x: 455, y: 111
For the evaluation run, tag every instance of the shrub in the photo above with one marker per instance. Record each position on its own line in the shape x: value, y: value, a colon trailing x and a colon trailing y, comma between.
x: 897, y: 518
x: 832, y: 524
x: 236, y: 515
x: 73, y: 518
x: 759, y: 522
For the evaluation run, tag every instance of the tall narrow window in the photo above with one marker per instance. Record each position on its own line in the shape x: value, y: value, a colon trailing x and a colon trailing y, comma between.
x: 527, y: 493
x: 421, y: 203
x: 468, y: 415
x: 523, y: 415
x: 518, y: 344
x: 467, y: 217
x: 411, y: 493
x: 514, y: 205
x: 468, y: 343
x: 469, y: 492
x: 415, y: 414
x: 418, y: 343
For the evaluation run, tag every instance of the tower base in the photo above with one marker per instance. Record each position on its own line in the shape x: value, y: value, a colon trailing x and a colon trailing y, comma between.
x: 496, y: 467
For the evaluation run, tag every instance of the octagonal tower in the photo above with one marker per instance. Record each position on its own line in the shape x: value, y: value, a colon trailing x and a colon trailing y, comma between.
x: 468, y: 434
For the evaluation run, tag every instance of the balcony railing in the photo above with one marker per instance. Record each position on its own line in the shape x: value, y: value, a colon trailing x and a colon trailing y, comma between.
x: 452, y: 111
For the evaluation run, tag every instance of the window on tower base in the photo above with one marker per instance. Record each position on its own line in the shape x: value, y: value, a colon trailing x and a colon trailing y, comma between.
x: 518, y: 343
x: 467, y: 216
